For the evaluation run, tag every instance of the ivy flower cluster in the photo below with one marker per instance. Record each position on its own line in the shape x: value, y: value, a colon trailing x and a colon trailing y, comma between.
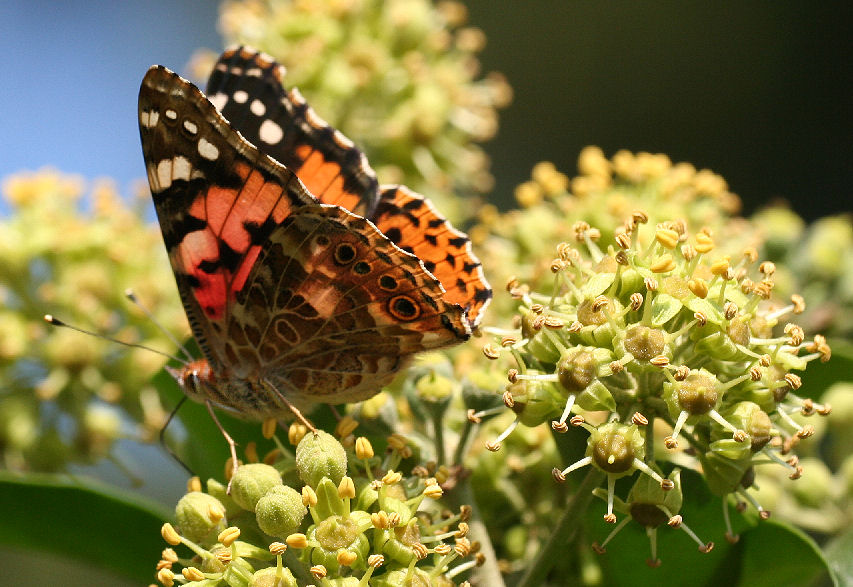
x: 326, y: 514
x: 606, y: 191
x: 64, y: 399
x: 400, y: 78
x: 655, y: 330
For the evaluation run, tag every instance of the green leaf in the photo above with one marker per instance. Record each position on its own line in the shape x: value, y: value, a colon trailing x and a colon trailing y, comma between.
x: 838, y: 554
x: 83, y: 520
x: 774, y: 553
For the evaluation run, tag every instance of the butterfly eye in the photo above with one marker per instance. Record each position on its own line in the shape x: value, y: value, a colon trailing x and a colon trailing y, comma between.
x: 344, y: 254
x: 403, y: 308
x: 192, y: 382
x: 387, y: 283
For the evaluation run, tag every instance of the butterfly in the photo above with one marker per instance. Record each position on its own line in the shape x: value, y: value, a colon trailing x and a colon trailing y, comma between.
x: 304, y: 281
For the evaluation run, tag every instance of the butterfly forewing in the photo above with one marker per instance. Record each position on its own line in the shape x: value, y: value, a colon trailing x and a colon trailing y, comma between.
x: 217, y: 198
x: 248, y: 89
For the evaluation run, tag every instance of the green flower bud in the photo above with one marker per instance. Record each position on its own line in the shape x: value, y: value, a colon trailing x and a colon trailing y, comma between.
x: 726, y: 475
x: 614, y: 447
x: 749, y: 417
x: 251, y: 482
x: 200, y: 517
x: 418, y: 578
x: 697, y: 394
x: 577, y: 368
x: 399, y: 546
x: 434, y: 388
x: 280, y: 511
x: 644, y: 343
x: 535, y: 401
x: 220, y: 492
x: 273, y: 577
x: 650, y: 505
x: 320, y: 455
x: 337, y: 534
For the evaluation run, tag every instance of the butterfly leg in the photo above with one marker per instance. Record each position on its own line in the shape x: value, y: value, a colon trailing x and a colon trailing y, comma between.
x: 294, y: 410
x: 231, y: 444
x: 165, y: 444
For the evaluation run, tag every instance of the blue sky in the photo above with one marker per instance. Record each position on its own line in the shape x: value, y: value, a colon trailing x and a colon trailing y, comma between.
x: 71, y: 72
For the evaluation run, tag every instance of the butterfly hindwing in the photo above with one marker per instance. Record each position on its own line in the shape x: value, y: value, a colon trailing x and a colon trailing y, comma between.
x: 412, y: 223
x: 332, y: 309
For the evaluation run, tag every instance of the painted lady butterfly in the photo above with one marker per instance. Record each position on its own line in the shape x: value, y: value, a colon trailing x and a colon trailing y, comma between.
x: 304, y: 281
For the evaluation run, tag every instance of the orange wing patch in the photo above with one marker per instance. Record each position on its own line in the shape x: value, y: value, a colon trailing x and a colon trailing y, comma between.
x: 220, y: 256
x: 414, y: 225
x: 323, y: 178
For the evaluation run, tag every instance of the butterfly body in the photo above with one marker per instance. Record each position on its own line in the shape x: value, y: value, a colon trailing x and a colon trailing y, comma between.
x: 294, y: 295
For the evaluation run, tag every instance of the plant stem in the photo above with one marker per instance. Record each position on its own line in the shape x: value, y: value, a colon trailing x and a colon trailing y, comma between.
x: 438, y: 433
x: 563, y: 532
x: 459, y: 453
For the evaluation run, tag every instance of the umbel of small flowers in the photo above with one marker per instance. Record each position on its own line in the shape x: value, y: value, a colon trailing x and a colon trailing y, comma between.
x: 355, y: 521
x: 653, y: 328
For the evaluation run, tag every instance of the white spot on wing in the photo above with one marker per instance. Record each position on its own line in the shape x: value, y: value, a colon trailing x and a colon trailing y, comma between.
x: 314, y: 119
x: 219, y: 100
x: 149, y: 118
x: 342, y: 141
x: 181, y: 168
x: 240, y: 96
x: 296, y: 97
x: 207, y: 149
x: 257, y: 107
x: 270, y: 132
x: 171, y: 114
x: 191, y: 127
x: 153, y: 180
x: 164, y: 174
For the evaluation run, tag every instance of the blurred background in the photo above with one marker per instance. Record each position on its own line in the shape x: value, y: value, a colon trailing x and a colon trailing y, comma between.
x: 758, y: 92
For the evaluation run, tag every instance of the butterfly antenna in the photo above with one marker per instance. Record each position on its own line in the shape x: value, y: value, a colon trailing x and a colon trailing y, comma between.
x: 129, y: 294
x: 165, y: 445
x: 57, y: 322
